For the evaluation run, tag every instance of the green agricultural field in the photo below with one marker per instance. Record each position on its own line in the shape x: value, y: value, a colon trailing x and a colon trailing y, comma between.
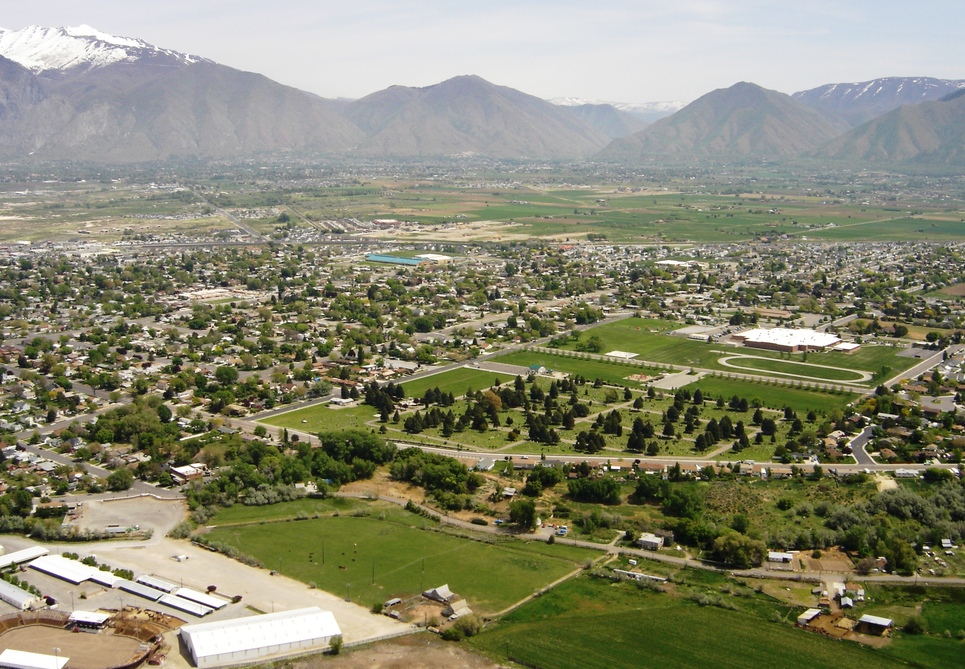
x: 585, y: 624
x: 393, y: 553
x: 894, y: 229
x: 458, y: 382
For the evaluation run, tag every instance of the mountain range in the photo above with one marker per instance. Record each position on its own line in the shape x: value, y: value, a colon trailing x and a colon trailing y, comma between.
x: 80, y: 94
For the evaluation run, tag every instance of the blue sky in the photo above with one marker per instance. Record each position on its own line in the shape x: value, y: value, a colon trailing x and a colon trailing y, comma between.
x: 622, y: 50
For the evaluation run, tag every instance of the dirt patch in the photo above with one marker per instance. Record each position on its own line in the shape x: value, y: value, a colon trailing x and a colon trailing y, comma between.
x: 86, y: 651
x: 425, y: 651
x: 148, y: 513
x: 831, y: 560
x: 958, y: 290
x: 885, y: 483
x: 833, y: 625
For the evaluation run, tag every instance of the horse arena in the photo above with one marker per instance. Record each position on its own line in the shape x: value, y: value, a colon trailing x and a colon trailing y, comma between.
x: 128, y: 638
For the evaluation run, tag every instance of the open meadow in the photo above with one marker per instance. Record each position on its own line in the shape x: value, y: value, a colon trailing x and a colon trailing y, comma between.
x: 593, y: 624
x: 378, y: 552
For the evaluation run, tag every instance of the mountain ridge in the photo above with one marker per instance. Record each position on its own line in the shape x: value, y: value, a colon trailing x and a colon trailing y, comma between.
x: 743, y: 121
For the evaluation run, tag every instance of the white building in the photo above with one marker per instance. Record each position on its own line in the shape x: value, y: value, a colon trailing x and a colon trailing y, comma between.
x: 787, y: 339
x: 248, y: 640
x: 650, y: 542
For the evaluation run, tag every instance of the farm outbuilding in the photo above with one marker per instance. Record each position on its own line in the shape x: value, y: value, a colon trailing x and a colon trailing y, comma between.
x: 441, y: 594
x: 806, y: 617
x: 874, y: 624
x: 25, y: 555
x: 246, y: 640
x: 16, y: 596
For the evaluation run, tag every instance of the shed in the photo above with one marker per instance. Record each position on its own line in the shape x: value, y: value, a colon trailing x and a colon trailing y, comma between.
x: 157, y: 583
x: 441, y: 594
x: 457, y: 609
x: 775, y: 556
x: 806, y: 617
x: 186, y: 605
x: 245, y: 640
x: 874, y: 624
x: 201, y: 598
x: 139, y: 589
x: 17, y: 597
x: 847, y: 603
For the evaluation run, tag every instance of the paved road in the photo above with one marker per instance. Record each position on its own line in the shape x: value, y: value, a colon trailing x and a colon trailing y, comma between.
x: 857, y: 447
x: 925, y: 365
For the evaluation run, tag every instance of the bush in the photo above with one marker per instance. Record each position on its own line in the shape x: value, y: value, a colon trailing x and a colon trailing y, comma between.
x: 915, y: 625
x: 479, y: 521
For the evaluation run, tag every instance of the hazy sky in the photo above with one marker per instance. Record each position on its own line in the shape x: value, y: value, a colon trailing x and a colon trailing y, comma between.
x: 621, y: 50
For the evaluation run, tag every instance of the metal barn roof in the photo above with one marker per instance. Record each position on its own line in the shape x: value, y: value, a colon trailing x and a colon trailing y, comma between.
x: 186, y: 605
x: 201, y: 598
x: 139, y: 590
x: 25, y: 555
x: 270, y: 629
x: 157, y: 583
x: 71, y: 571
x: 21, y: 659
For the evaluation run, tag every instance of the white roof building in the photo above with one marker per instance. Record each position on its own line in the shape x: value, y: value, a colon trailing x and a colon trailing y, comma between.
x: 787, y: 339
x: 24, y: 555
x: 21, y: 659
x: 16, y: 596
x: 246, y: 640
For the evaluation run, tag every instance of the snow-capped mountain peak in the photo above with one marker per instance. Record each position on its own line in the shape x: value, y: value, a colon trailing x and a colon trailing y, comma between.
x: 44, y: 49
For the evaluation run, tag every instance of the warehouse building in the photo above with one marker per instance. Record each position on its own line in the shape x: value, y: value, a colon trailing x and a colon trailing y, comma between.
x: 787, y: 340
x: 248, y: 640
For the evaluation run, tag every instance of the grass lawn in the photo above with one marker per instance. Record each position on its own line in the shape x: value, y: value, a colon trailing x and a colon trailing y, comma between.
x: 611, y: 372
x: 774, y: 397
x: 406, y: 556
x: 810, y: 371
x: 649, y: 338
x: 926, y: 651
x: 458, y: 382
x: 318, y: 418
x: 589, y: 624
x: 239, y: 513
